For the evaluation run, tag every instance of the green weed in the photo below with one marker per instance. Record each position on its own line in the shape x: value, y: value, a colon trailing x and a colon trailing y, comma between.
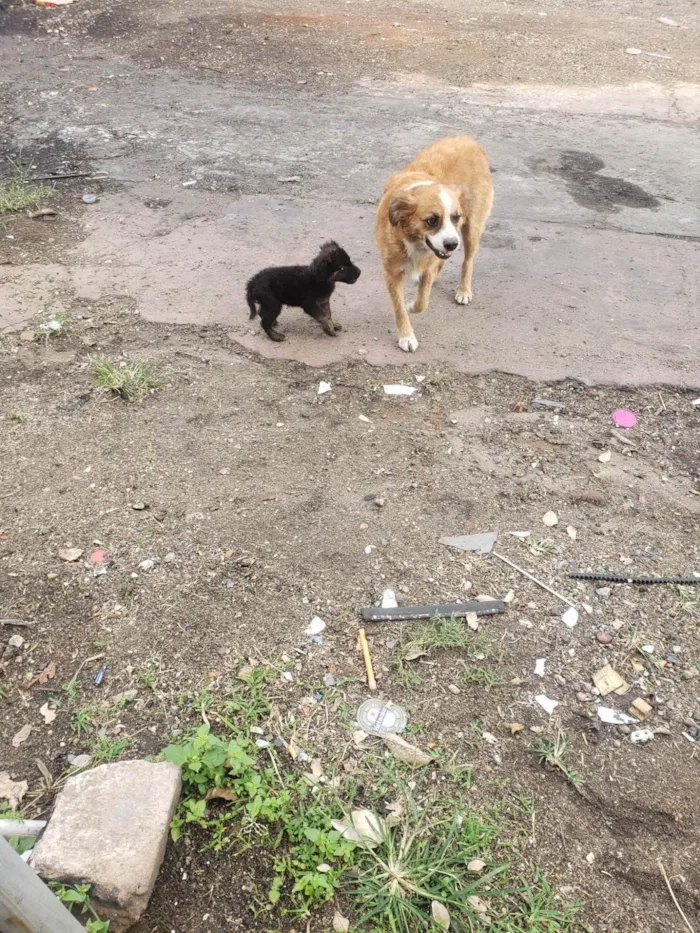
x: 128, y: 380
x: 78, y: 895
x: 106, y: 750
x: 54, y: 326
x: 18, y: 192
x: 18, y: 416
x: 554, y: 752
x: 688, y: 600
x: 480, y: 676
x: 82, y: 720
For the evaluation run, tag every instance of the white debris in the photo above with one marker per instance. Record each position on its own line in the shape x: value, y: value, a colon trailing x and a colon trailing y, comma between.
x: 389, y: 600
x: 570, y: 617
x: 520, y: 534
x: 547, y: 705
x: 696, y: 403
x: 613, y: 717
x: 323, y: 387
x: 641, y: 736
x: 539, y: 666
x: 550, y: 519
x: 315, y: 627
x: 399, y: 390
x: 147, y: 564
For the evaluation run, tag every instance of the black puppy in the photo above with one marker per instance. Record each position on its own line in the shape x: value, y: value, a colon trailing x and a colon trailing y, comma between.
x: 307, y: 287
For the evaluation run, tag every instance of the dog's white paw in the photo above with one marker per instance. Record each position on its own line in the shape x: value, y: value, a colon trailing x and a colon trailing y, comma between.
x: 463, y: 297
x: 408, y: 344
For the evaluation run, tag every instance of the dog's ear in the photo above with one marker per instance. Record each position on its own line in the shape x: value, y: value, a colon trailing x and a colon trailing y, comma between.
x: 401, y: 206
x: 465, y: 196
x: 324, y: 262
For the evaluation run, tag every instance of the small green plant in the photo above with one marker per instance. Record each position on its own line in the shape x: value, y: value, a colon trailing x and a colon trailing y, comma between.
x: 107, y: 749
x: 480, y: 676
x: 82, y: 720
x: 554, y: 752
x: 130, y: 380
x: 147, y: 677
x: 78, y: 895
x: 19, y: 192
x: 438, y: 634
x: 19, y: 845
x: 422, y: 862
x: 18, y: 416
x: 688, y: 600
x: 538, y: 546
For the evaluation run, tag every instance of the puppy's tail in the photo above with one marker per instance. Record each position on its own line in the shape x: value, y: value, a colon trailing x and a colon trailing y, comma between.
x: 251, y: 301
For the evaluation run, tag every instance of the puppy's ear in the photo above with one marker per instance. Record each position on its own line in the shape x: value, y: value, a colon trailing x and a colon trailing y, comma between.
x: 401, y: 206
x: 324, y: 262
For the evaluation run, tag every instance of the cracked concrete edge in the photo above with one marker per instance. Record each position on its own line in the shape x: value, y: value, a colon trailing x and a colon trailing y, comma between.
x: 679, y: 103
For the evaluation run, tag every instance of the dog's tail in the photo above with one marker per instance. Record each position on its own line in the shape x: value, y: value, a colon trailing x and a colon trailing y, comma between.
x: 251, y: 301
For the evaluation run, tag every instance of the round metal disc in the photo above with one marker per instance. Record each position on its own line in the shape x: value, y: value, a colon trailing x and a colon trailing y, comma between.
x: 377, y: 717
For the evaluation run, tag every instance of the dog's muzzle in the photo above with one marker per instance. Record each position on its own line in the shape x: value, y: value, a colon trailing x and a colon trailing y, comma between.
x: 450, y: 247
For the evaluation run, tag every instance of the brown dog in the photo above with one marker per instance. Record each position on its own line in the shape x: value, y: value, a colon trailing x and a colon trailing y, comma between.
x: 443, y: 196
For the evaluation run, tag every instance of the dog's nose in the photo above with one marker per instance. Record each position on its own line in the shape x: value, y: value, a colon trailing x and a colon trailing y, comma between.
x: 450, y: 245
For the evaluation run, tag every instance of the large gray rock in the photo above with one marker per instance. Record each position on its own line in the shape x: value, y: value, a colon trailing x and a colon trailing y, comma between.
x: 109, y: 829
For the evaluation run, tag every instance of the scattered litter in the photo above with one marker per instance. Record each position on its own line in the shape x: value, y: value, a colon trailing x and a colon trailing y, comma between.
x: 509, y: 597
x: 42, y: 212
x: 489, y: 737
x: 147, y: 564
x: 399, y: 390
x: 323, y: 387
x: 70, y: 554
x: 52, y: 3
x: 666, y: 21
x: 341, y: 924
x: 99, y: 676
x: 641, y: 736
x: 605, y: 456
x: 381, y: 717
x: 472, y: 621
x: 404, y: 751
x: 286, y: 675
x: 647, y: 649
x: 389, y: 600
x: 441, y: 915
x: 315, y: 627
x: 363, y: 827
x: 516, y: 727
x: 613, y: 717
x: 15, y: 641
x: 641, y: 581
x: 550, y: 519
x: 190, y: 183
x: 476, y: 865
x: 317, y: 639
x: 547, y: 705
x: 358, y: 736
x: 641, y: 709
x: 329, y: 680
x: 365, y: 419
x: 571, y: 532
x: 607, y: 680
x: 98, y: 557
x: 445, y: 610
x: 370, y: 548
x: 633, y: 51
x: 89, y: 198
x: 419, y: 378
x: 623, y: 418
x: 539, y: 666
x: 21, y: 736
x: 12, y: 791
x: 364, y: 647
x: 546, y: 403
x: 520, y: 534
x: 696, y: 403
x: 570, y: 617
x: 139, y: 506
x: 48, y: 714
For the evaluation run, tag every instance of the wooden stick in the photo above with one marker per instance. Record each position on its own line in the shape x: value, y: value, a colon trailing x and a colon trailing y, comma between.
x: 675, y: 901
x: 534, y: 579
x: 371, y: 682
x: 18, y: 622
x: 26, y: 904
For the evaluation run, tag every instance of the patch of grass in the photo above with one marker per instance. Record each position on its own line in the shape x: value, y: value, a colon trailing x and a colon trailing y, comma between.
x: 555, y: 752
x: 688, y: 600
x: 106, y: 750
x: 7, y: 813
x: 438, y: 634
x: 538, y: 546
x: 78, y: 895
x: 82, y: 720
x: 18, y: 416
x: 130, y: 380
x: 148, y: 677
x: 18, y: 192
x: 480, y: 676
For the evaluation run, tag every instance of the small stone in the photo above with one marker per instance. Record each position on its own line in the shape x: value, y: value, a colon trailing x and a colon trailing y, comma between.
x: 329, y: 680
x: 70, y: 554
x: 603, y: 592
x: 379, y: 502
x: 16, y: 641
x: 603, y: 638
x: 624, y: 730
x: 109, y: 828
x: 453, y: 689
x: 560, y: 680
x: 583, y: 697
x: 690, y: 674
x: 147, y: 564
x: 79, y: 761
x: 139, y: 506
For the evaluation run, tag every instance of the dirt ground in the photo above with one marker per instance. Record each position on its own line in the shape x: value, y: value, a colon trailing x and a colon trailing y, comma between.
x: 255, y: 497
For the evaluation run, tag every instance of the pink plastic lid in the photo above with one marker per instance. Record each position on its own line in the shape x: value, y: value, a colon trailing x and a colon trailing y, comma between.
x: 624, y: 418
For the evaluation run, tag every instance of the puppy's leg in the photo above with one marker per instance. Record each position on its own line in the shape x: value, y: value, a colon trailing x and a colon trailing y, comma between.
x: 321, y: 312
x: 335, y: 324
x: 394, y: 285
x: 471, y: 233
x: 425, y: 284
x: 270, y: 309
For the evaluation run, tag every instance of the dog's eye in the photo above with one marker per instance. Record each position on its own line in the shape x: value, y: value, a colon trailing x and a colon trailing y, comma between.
x: 432, y: 221
x: 456, y: 218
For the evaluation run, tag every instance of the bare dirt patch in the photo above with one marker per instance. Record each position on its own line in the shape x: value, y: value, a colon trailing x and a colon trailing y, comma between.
x: 253, y: 496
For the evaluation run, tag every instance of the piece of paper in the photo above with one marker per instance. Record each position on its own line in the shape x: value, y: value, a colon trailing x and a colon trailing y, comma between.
x: 481, y: 543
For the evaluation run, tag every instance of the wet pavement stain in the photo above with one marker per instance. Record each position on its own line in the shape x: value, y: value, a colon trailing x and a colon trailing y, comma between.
x: 602, y: 193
